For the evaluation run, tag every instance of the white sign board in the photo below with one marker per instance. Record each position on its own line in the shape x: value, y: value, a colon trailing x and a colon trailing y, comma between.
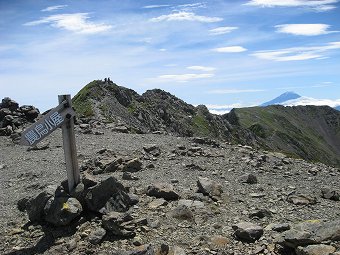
x: 45, y: 126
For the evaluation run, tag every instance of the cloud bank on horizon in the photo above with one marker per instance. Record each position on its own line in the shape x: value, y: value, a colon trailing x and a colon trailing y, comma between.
x: 218, y: 53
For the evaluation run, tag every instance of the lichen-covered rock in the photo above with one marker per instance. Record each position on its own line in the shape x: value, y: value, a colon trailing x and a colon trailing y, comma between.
x: 60, y: 211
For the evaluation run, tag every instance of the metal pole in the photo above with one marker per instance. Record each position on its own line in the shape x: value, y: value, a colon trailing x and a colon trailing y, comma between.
x: 69, y: 144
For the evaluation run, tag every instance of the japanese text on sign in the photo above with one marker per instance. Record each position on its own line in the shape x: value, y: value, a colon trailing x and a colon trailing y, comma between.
x: 42, y: 129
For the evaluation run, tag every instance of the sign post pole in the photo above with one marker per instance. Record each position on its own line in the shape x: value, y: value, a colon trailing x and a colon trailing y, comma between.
x: 69, y: 144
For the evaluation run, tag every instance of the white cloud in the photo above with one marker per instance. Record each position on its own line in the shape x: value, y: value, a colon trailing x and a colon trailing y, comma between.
x: 304, y: 29
x: 77, y: 22
x: 184, y: 77
x: 53, y: 8
x: 156, y: 6
x: 230, y: 49
x: 185, y: 16
x: 222, y: 109
x: 318, y: 5
x: 299, y: 53
x: 234, y: 91
x: 312, y: 101
x: 222, y: 30
x: 202, y: 68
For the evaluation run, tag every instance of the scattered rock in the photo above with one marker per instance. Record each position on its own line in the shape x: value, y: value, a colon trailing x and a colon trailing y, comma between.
x: 162, y: 190
x: 301, y: 199
x: 133, y: 165
x: 97, y: 235
x: 182, y: 212
x: 152, y: 149
x: 35, y: 206
x: 157, y: 203
x: 209, y: 187
x: 248, y: 178
x: 317, y: 249
x: 260, y: 213
x: 331, y: 194
x: 247, y: 231
x: 310, y: 232
x: 119, y: 224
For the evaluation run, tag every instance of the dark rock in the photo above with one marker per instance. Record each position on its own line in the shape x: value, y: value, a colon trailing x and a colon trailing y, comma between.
x: 121, y: 129
x: 281, y: 227
x: 30, y: 112
x: 60, y: 211
x: 9, y: 103
x: 248, y: 231
x: 206, y: 141
x: 129, y: 177
x: 35, y: 206
x: 328, y: 193
x: 134, y: 199
x: 113, y: 166
x: 119, y: 224
x: 133, y: 165
x: 110, y: 194
x: 162, y: 190
x: 22, y: 204
x: 89, y: 180
x: 152, y: 149
x: 209, y: 187
x: 248, y: 178
x: 260, y: 213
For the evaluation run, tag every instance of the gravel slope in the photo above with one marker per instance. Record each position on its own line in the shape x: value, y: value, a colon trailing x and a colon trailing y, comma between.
x: 24, y: 173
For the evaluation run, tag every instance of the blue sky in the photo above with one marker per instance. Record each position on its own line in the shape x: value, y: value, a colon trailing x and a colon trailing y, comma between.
x: 219, y: 53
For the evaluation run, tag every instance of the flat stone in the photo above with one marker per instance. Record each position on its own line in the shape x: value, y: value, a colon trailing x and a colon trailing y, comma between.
x: 157, y: 203
x: 317, y: 249
x: 162, y: 190
x: 248, y: 231
x: 301, y: 199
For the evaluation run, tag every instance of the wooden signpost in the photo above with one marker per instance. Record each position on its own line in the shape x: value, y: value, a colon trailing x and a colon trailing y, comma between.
x: 62, y: 115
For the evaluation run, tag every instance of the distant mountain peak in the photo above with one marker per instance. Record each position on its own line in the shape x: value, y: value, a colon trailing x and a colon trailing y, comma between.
x: 289, y: 95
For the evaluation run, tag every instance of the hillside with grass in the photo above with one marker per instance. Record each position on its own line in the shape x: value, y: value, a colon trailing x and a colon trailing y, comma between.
x: 309, y: 132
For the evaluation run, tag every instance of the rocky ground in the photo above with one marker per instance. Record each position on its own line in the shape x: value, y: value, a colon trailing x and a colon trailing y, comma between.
x: 180, y: 196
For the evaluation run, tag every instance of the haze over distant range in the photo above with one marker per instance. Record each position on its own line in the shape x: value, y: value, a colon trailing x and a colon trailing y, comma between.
x: 222, y: 54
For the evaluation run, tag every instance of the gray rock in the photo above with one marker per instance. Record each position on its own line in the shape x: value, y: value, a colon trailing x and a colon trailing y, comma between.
x: 301, y: 199
x: 176, y: 250
x: 119, y: 224
x: 162, y: 190
x: 97, y: 235
x: 157, y: 203
x: 310, y: 232
x: 248, y: 178
x: 191, y: 203
x: 248, y: 231
x: 281, y: 227
x: 316, y: 249
x: 182, y: 212
x: 133, y: 165
x: 331, y: 194
x: 152, y: 149
x: 209, y: 187
x: 129, y: 177
x: 60, y: 211
x: 108, y: 194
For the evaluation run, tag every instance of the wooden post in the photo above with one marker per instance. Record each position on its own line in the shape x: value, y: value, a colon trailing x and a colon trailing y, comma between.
x: 69, y: 144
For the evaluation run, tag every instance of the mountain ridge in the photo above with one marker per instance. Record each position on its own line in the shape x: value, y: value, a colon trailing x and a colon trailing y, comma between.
x: 282, y: 98
x: 309, y: 132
